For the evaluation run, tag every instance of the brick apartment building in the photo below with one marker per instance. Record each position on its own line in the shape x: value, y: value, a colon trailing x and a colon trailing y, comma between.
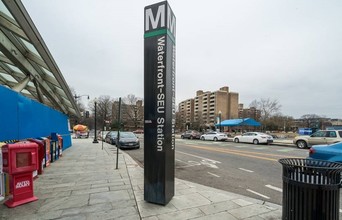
x: 132, y: 115
x: 249, y: 112
x: 205, y: 108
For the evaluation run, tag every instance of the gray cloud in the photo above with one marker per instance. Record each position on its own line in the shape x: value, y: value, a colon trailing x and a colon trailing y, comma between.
x: 284, y: 50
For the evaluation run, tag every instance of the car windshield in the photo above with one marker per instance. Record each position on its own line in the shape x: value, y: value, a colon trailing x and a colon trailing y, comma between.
x: 127, y: 135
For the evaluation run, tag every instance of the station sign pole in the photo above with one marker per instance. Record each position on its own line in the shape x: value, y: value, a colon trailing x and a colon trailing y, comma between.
x: 159, y: 103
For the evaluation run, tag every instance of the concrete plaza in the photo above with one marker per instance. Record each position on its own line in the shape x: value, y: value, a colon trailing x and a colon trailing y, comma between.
x: 85, y: 184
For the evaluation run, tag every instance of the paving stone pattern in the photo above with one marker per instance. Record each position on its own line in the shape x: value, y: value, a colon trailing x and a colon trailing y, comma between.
x: 84, y: 185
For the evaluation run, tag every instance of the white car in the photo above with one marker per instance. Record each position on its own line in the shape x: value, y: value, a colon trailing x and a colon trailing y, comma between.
x: 254, y: 137
x: 215, y: 136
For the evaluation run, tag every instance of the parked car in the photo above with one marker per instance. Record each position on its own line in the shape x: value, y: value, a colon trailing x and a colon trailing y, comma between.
x: 254, y: 137
x: 214, y: 136
x: 138, y: 131
x: 191, y: 134
x: 319, y: 137
x: 128, y: 140
x: 111, y: 137
x: 102, y: 135
x: 331, y: 152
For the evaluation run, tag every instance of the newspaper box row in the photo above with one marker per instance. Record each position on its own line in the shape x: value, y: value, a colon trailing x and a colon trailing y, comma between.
x: 22, y: 161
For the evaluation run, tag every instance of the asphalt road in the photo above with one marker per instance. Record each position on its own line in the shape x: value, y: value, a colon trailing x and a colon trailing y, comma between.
x: 247, y: 169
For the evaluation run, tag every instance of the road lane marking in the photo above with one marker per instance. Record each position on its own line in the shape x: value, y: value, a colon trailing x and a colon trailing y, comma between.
x: 240, y: 153
x: 260, y: 148
x: 240, y: 146
x: 187, y: 164
x: 285, y: 150
x: 214, y: 174
x: 203, y: 158
x: 274, y: 188
x: 204, y: 161
x: 249, y: 171
x: 259, y: 194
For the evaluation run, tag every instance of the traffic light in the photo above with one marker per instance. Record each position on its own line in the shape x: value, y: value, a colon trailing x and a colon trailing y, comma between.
x: 87, y: 114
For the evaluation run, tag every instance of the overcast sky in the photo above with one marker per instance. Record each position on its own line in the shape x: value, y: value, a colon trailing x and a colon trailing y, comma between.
x: 285, y: 50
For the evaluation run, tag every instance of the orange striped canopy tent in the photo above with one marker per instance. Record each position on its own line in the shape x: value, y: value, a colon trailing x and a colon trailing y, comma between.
x: 80, y: 127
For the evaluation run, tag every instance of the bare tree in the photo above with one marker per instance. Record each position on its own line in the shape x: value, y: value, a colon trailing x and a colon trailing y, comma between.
x: 133, y: 110
x: 267, y: 107
x: 103, y: 109
x: 312, y: 120
x: 81, y: 107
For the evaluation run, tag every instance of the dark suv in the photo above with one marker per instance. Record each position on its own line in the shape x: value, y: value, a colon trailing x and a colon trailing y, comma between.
x: 190, y: 134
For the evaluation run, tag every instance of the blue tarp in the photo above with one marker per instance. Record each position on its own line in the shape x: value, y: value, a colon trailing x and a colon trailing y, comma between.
x: 239, y: 122
x: 22, y: 118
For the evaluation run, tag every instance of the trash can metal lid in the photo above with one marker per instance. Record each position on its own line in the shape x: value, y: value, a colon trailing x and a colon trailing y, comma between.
x: 310, y: 163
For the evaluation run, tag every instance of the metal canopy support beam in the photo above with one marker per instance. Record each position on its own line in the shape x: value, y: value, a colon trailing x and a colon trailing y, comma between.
x: 7, y: 23
x: 39, y: 92
x: 11, y: 52
x: 21, y: 85
x: 22, y: 17
x: 17, y: 32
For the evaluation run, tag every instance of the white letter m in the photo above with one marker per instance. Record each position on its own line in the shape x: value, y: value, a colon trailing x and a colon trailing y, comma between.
x: 154, y: 22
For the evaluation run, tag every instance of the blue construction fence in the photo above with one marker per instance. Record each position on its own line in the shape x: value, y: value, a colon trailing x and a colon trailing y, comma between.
x: 22, y: 118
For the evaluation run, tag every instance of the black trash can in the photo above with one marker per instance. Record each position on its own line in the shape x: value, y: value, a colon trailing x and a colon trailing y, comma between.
x: 311, y: 189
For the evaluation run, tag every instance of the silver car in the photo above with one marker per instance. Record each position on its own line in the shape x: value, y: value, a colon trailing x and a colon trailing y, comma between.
x: 319, y: 137
x: 254, y: 137
x: 214, y: 136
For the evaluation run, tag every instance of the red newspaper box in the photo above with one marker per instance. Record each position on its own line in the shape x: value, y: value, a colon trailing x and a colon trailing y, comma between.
x: 41, y: 154
x: 19, y: 161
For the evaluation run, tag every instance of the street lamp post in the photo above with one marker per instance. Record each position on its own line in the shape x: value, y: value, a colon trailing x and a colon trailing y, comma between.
x: 220, y: 119
x: 95, y: 136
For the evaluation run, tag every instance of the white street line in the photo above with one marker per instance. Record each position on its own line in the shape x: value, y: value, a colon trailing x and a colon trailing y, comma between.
x: 260, y: 148
x: 256, y: 193
x: 249, y: 171
x: 285, y: 150
x: 274, y: 188
x: 214, y: 174
x: 203, y: 158
x: 240, y: 146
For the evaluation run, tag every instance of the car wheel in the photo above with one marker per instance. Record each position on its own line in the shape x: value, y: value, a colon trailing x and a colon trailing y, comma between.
x: 182, y: 137
x: 202, y: 138
x: 236, y: 140
x: 301, y: 144
x: 215, y: 138
x: 255, y: 141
